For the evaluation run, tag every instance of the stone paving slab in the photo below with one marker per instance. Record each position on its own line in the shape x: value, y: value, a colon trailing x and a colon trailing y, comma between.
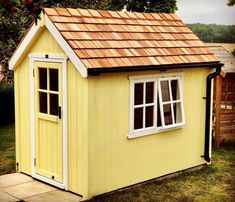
x: 4, y: 197
x: 58, y: 196
x: 20, y: 187
x: 28, y: 189
x: 14, y: 179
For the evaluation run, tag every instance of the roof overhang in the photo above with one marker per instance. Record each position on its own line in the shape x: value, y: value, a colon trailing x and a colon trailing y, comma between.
x: 97, y: 71
x: 33, y: 34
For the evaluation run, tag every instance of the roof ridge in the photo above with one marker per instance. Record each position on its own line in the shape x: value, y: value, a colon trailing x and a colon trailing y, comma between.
x: 91, y: 13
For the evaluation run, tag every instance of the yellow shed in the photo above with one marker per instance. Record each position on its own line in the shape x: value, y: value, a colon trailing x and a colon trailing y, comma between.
x: 107, y: 99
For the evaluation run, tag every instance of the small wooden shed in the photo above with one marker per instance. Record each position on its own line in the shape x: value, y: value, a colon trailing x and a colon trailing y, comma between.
x: 107, y: 99
x: 224, y: 98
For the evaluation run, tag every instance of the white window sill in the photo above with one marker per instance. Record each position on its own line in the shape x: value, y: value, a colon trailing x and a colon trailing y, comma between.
x: 152, y: 131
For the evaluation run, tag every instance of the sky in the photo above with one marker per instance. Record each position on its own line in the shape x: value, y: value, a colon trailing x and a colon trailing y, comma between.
x: 206, y: 11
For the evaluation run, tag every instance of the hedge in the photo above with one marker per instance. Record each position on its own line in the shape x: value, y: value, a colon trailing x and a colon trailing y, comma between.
x: 7, y: 107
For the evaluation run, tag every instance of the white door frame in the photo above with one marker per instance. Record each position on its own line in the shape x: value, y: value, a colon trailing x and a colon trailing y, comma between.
x: 63, y: 60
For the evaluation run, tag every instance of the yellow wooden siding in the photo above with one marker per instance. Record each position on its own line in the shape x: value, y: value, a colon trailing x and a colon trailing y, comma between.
x: 78, y: 134
x: 77, y: 115
x: 115, y: 161
x: 22, y: 117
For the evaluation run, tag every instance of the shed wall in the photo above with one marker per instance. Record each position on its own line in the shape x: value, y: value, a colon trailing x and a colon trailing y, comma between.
x: 22, y: 117
x: 114, y: 160
x: 77, y: 115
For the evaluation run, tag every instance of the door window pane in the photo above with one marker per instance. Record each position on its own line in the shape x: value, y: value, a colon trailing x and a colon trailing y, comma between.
x: 138, y: 118
x: 53, y: 79
x: 165, y: 91
x: 42, y: 78
x: 43, y: 102
x: 149, y: 92
x: 139, y: 89
x: 149, y: 116
x: 54, y: 104
x: 167, y: 114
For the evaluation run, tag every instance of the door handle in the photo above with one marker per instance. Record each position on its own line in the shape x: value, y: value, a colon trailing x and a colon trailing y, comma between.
x: 59, y: 112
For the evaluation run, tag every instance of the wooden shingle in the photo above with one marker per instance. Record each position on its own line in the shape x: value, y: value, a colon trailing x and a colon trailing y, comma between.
x: 104, y: 39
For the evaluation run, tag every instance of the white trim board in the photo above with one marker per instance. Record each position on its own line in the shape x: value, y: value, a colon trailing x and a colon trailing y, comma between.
x: 30, y: 36
x: 63, y: 60
x: 33, y: 33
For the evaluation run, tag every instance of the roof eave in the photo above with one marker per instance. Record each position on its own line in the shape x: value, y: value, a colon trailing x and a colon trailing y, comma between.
x: 65, y: 46
x: 97, y: 71
x: 26, y: 43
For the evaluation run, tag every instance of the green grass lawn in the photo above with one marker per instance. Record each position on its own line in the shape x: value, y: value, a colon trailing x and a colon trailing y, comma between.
x: 214, y: 183
x: 7, y: 149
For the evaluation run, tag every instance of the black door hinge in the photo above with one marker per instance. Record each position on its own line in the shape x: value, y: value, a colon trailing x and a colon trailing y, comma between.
x: 59, y: 112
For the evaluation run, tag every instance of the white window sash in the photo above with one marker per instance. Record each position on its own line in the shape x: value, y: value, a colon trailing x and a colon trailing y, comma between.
x: 157, y: 93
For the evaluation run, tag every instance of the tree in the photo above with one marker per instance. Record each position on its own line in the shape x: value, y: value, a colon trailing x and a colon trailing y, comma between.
x: 212, y: 33
x: 231, y: 2
x: 17, y: 15
x: 156, y: 6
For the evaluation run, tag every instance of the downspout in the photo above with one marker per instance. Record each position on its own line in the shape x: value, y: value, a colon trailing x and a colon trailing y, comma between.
x: 208, y: 113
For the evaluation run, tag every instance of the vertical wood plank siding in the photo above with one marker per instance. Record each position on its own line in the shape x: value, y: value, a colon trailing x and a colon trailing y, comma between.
x: 115, y: 161
x: 22, y: 117
x: 78, y: 131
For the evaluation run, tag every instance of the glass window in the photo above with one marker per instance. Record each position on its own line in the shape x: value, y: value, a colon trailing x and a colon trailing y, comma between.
x: 54, y: 85
x: 42, y: 78
x: 138, y: 120
x: 143, y: 105
x: 43, y: 102
x: 139, y: 89
x: 54, y: 104
x: 157, y: 105
x: 48, y: 90
x: 171, y: 108
x: 149, y: 92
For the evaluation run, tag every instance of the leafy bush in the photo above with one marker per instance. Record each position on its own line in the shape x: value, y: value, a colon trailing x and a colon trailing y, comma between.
x: 7, y: 109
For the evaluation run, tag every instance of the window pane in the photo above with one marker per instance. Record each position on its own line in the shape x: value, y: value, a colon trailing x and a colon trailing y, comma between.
x: 42, y: 78
x: 165, y: 91
x: 174, y: 89
x: 139, y: 93
x: 53, y: 79
x: 149, y: 92
x: 138, y: 118
x: 167, y: 114
x: 54, y: 104
x: 149, y: 116
x: 159, y: 119
x: 177, y: 112
x: 43, y: 102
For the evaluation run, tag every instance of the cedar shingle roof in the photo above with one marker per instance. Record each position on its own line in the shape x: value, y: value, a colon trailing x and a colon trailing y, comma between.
x: 109, y: 39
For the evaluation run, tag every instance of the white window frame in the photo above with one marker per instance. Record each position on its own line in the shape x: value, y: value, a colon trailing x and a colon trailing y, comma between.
x: 157, y: 92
